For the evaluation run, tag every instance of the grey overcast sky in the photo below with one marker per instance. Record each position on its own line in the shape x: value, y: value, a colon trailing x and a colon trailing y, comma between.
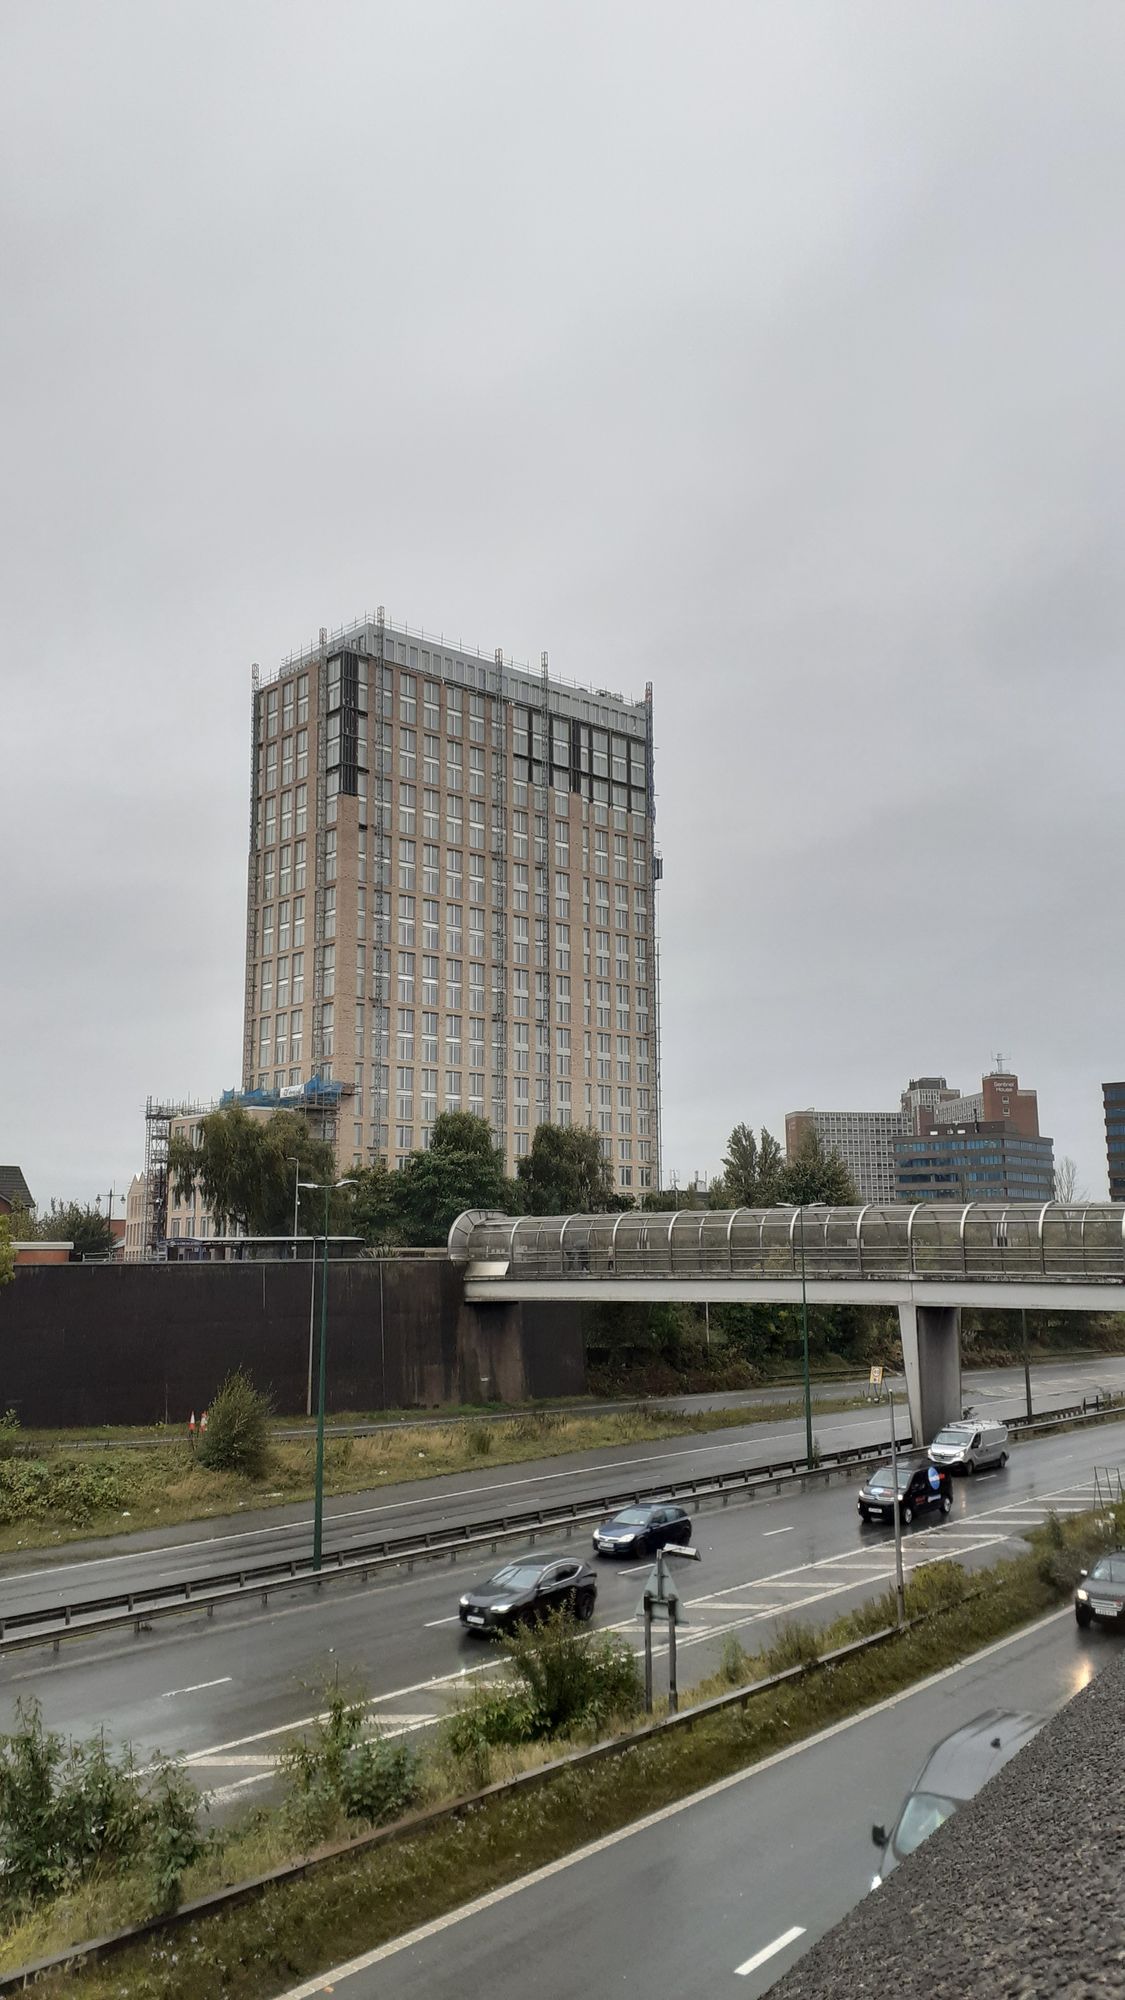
x: 768, y: 352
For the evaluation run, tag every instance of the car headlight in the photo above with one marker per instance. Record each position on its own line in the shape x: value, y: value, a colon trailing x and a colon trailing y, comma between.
x: 1083, y: 1596
x: 499, y: 1608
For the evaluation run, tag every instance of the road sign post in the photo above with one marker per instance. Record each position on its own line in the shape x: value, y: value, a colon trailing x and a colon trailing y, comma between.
x: 660, y: 1591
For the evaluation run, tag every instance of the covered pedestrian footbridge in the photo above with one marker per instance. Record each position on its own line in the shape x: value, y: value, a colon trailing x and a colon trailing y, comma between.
x: 927, y: 1259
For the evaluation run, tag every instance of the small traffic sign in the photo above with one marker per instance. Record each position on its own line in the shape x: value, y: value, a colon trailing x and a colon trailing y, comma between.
x: 651, y: 1600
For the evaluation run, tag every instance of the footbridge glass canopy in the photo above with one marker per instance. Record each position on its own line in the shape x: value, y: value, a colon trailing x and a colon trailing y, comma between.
x: 981, y: 1240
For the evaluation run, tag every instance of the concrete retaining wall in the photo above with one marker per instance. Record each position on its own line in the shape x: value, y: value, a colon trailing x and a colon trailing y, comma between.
x: 141, y: 1344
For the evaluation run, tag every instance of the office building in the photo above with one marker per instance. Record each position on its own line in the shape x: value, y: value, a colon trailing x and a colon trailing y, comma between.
x: 983, y: 1160
x: 451, y: 898
x: 1113, y: 1100
x: 861, y: 1138
x: 877, y: 1146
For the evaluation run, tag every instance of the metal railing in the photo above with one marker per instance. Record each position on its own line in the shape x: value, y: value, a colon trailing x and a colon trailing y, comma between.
x: 138, y: 1608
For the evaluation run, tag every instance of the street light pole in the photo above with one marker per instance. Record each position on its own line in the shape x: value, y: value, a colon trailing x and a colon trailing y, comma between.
x: 296, y: 1165
x: 900, y: 1588
x: 318, y: 1501
x: 805, y: 1346
x: 1026, y: 1364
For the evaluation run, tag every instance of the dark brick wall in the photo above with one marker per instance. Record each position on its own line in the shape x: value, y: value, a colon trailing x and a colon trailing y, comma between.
x: 138, y: 1343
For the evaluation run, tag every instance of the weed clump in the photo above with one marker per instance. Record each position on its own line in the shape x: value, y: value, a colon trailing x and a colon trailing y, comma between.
x: 345, y: 1771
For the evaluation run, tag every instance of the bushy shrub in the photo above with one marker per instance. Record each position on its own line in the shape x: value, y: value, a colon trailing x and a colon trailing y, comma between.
x: 794, y: 1646
x: 344, y: 1771
x: 61, y: 1489
x: 565, y: 1682
x: 935, y: 1587
x: 237, y: 1437
x: 734, y: 1661
x: 479, y: 1438
x: 68, y: 1809
x: 9, y: 1434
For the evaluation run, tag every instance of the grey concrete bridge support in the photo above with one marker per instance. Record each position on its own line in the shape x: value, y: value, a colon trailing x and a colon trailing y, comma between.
x: 931, y: 1354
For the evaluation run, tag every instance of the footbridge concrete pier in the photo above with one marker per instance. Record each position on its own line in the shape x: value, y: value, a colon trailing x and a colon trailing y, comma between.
x: 927, y: 1259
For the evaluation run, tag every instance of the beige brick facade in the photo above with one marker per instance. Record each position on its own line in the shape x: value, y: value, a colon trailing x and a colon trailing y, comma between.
x: 452, y: 899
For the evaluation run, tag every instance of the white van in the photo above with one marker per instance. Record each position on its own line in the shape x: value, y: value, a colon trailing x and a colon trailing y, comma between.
x: 966, y: 1447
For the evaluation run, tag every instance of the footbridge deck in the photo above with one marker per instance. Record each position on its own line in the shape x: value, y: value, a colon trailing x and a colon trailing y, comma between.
x: 927, y: 1259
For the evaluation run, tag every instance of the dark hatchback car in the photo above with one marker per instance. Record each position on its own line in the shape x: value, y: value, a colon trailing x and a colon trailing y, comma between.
x: 639, y: 1531
x: 954, y: 1771
x: 1100, y: 1596
x: 528, y: 1589
x: 922, y: 1488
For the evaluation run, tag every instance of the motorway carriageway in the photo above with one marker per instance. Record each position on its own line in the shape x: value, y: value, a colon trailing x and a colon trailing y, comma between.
x: 45, y: 1577
x: 226, y: 1692
x: 721, y: 1893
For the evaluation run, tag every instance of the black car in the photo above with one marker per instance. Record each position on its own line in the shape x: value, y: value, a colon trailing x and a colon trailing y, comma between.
x: 921, y: 1488
x: 954, y: 1771
x: 639, y: 1531
x: 528, y: 1588
x: 1100, y: 1596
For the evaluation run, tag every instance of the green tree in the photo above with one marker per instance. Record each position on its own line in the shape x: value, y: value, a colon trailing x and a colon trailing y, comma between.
x: 244, y: 1170
x: 76, y: 1222
x: 751, y: 1170
x: 463, y: 1168
x: 373, y: 1204
x: 814, y: 1175
x: 566, y: 1173
x: 7, y: 1254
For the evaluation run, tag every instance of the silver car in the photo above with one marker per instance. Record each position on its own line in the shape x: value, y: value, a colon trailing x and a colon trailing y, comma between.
x: 967, y: 1446
x: 953, y: 1772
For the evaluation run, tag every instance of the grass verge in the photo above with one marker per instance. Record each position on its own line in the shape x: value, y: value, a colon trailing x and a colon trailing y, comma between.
x: 364, y: 1898
x: 50, y: 1495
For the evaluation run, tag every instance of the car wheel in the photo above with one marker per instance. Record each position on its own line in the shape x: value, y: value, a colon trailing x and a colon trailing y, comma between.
x: 864, y: 1515
x: 1082, y: 1616
x: 970, y: 1468
x: 946, y: 1502
x: 584, y: 1605
x: 907, y: 1514
x: 1003, y: 1460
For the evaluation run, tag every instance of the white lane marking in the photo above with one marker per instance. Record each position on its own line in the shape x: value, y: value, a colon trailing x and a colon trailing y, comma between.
x: 376, y: 1700
x: 431, y: 1624
x: 196, y: 1686
x: 326, y: 1982
x: 767, y: 1532
x: 770, y: 1950
x: 400, y: 1506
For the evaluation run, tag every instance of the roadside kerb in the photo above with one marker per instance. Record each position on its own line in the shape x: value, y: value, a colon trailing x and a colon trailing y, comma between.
x: 405, y: 1829
x: 20, y: 1630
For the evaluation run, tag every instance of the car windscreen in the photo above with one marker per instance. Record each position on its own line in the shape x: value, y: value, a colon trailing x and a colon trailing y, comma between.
x: 633, y: 1517
x: 517, y: 1576
x: 1108, y: 1569
x: 954, y: 1434
x: 922, y: 1814
x: 885, y: 1476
